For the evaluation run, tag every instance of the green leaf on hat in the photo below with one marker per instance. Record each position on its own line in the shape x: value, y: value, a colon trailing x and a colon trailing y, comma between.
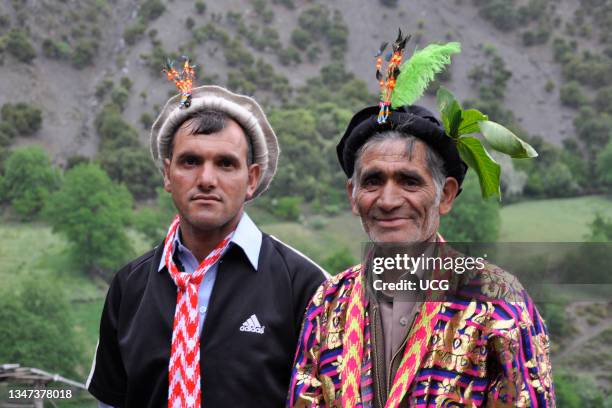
x: 450, y: 110
x: 477, y: 158
x: 469, y: 121
x: 503, y: 140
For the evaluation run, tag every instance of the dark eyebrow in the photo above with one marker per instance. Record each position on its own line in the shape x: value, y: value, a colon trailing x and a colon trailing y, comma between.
x: 371, y: 173
x: 410, y: 174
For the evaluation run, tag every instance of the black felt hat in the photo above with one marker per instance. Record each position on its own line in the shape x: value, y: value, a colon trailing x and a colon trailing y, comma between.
x: 413, y: 120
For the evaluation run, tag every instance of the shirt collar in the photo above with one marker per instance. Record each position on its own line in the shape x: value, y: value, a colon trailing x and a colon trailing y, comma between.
x: 247, y: 236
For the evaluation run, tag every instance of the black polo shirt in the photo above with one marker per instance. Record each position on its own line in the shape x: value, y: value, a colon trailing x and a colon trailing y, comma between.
x: 243, y: 362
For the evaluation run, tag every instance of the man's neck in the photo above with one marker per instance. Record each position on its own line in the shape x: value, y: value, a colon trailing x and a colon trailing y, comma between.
x: 202, y: 242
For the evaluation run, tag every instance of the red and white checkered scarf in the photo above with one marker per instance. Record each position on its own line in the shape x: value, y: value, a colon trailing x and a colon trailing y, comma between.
x: 184, y: 368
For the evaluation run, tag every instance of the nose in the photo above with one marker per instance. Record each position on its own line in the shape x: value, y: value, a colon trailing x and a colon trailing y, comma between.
x: 207, y: 177
x: 390, y: 198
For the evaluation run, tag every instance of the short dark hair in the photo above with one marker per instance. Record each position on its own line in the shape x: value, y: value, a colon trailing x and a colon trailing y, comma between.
x: 207, y: 122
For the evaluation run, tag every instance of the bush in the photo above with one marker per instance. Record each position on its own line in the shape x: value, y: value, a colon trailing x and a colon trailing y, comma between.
x: 146, y: 120
x: 134, y: 32
x: 300, y: 38
x: 288, y: 208
x: 388, y: 3
x: 19, y: 46
x: 200, y: 7
x: 604, y: 166
x: 571, y: 95
x: 25, y: 119
x: 84, y: 53
x: 119, y: 96
x: 114, y: 132
x: 151, y: 9
x: 472, y: 219
x: 603, y: 100
x: 45, y: 337
x: 92, y: 212
x: 501, y: 13
x: 28, y: 180
x: 339, y: 261
x: 7, y: 134
x: 134, y: 168
x: 59, y: 50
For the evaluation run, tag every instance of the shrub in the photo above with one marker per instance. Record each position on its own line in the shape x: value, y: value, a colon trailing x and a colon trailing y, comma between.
x: 288, y: 208
x: 339, y: 261
x: 200, y: 7
x: 603, y: 100
x: 604, y: 166
x: 120, y: 96
x: 19, y: 46
x: 151, y: 9
x: 45, y: 336
x: 134, y: 32
x: 28, y: 180
x: 59, y: 50
x: 389, y: 3
x: 7, y: 133
x: 84, y: 53
x: 25, y: 119
x: 300, y: 38
x: 133, y: 167
x: 92, y: 211
x: 571, y: 95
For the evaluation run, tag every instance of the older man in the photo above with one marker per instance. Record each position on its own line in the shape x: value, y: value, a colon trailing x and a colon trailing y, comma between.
x: 365, y: 346
x: 211, y: 316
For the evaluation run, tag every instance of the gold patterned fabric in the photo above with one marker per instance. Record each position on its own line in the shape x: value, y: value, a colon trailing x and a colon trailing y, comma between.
x: 485, y: 350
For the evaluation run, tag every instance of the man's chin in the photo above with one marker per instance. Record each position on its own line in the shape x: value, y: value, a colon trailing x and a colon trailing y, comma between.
x: 395, y: 236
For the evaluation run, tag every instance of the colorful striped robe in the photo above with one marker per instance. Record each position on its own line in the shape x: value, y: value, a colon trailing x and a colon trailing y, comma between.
x: 482, y: 353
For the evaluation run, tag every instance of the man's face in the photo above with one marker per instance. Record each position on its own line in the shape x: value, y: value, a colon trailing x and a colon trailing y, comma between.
x: 396, y: 193
x: 208, y: 176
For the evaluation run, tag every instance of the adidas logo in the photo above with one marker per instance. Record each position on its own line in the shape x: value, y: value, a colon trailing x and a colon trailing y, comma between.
x: 252, y: 325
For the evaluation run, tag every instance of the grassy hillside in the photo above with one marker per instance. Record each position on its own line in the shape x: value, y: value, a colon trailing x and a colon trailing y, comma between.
x: 556, y: 220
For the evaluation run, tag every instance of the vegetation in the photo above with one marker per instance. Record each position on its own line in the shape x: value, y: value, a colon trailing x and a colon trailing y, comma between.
x: 92, y: 212
x: 19, y: 46
x: 25, y: 119
x: 43, y: 334
x: 472, y: 219
x: 28, y: 180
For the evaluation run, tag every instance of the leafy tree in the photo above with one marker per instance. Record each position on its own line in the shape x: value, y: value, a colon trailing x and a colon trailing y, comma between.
x: 200, y: 6
x: 600, y: 229
x: 42, y: 334
x: 24, y: 118
x: 134, y: 167
x: 92, y: 212
x: 119, y: 96
x: 571, y: 95
x: 19, y: 46
x: 339, y: 261
x: 153, y: 222
x: 604, y: 165
x: 7, y: 133
x: 84, y: 53
x: 151, y: 9
x: 28, y: 180
x: 113, y: 130
x: 472, y: 219
x: 287, y: 208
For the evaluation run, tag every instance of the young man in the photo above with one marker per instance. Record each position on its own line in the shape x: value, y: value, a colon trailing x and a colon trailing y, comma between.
x: 211, y: 316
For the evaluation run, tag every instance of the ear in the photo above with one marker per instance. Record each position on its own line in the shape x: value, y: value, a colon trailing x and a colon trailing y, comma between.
x: 449, y: 192
x: 167, y: 184
x: 254, y: 176
x: 349, y: 192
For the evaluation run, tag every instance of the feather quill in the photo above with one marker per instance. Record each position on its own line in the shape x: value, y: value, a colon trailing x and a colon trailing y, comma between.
x: 419, y: 71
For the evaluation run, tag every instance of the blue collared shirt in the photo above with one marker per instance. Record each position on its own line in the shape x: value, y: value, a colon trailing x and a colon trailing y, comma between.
x: 247, y: 236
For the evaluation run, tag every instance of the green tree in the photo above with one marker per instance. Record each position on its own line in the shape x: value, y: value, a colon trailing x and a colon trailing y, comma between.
x: 42, y: 334
x: 604, y: 165
x: 134, y: 167
x: 19, y: 46
x: 472, y: 219
x: 24, y: 118
x: 28, y: 180
x: 92, y: 211
x: 338, y: 261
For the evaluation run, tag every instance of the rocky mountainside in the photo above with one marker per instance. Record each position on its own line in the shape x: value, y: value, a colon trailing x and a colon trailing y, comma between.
x: 125, y: 40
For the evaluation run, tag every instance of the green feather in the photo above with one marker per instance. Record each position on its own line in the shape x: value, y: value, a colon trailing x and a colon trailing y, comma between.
x: 416, y: 73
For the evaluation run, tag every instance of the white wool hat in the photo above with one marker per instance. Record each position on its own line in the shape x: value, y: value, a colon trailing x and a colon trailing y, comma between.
x: 241, y: 108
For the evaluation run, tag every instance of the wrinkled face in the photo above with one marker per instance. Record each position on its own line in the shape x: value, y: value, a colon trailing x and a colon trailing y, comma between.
x: 208, y: 176
x: 396, y: 194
